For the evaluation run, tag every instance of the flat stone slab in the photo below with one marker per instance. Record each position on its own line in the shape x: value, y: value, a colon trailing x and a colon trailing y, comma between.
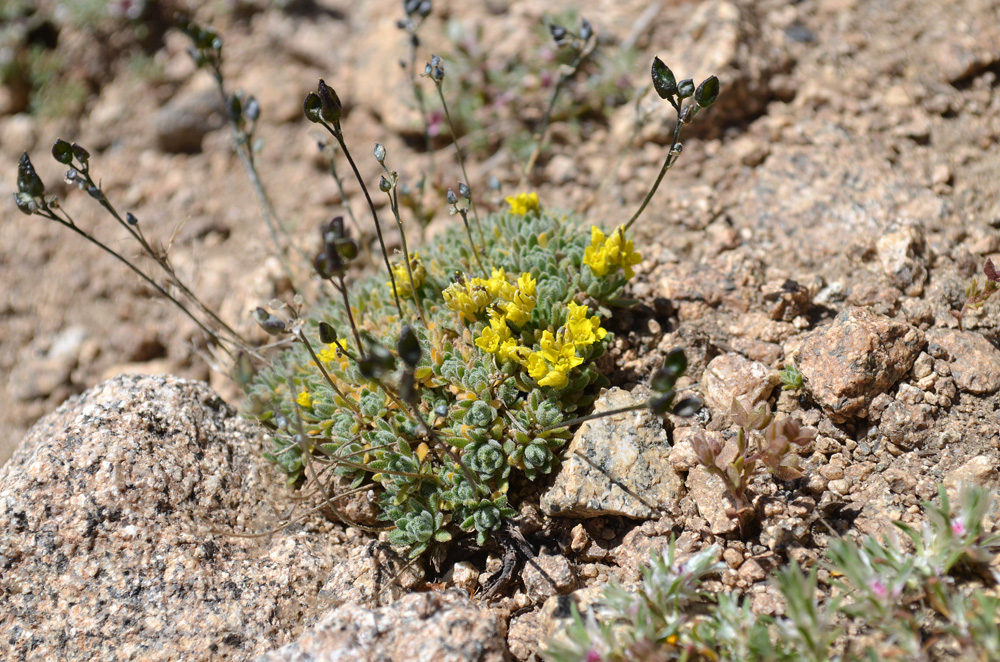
x: 611, y: 462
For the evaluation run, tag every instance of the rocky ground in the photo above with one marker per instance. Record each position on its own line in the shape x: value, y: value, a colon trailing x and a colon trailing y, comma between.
x: 830, y: 211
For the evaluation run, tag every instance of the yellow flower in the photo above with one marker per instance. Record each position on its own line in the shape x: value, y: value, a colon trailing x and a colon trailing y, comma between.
x: 520, y: 300
x: 468, y: 299
x: 402, y: 275
x: 584, y: 331
x: 493, y: 335
x: 522, y: 203
x: 304, y: 399
x: 510, y: 350
x: 605, y: 253
x: 550, y: 366
x: 335, y: 353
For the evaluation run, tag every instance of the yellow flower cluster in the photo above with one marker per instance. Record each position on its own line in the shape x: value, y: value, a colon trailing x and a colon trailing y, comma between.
x: 515, y: 302
x: 522, y: 203
x: 550, y: 366
x: 304, y: 399
x: 399, y: 271
x: 607, y: 253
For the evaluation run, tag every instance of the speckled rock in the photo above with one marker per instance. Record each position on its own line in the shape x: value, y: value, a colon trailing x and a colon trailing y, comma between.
x: 732, y: 376
x: 529, y: 633
x: 901, y: 254
x: 106, y: 545
x: 906, y: 425
x: 611, y: 460
x: 975, y: 362
x: 372, y: 574
x: 981, y: 469
x: 862, y: 354
x: 547, y: 575
x: 438, y: 627
x: 714, y: 502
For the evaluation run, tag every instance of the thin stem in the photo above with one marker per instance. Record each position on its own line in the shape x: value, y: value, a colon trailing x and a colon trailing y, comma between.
x: 418, y: 93
x: 475, y: 252
x: 350, y: 211
x: 46, y: 212
x: 161, y: 260
x: 245, y: 153
x: 640, y: 121
x: 394, y: 203
x: 590, y: 417
x: 350, y: 316
x: 322, y: 369
x: 667, y: 164
x: 564, y: 77
x: 338, y: 134
x: 461, y: 159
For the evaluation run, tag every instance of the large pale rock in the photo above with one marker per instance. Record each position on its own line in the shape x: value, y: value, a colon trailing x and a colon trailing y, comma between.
x: 732, y: 376
x: 975, y: 362
x: 438, y: 627
x: 617, y: 465
x: 859, y: 356
x: 107, y: 549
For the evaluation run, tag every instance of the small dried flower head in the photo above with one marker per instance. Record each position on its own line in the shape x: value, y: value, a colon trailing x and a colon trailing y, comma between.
x: 384, y: 184
x: 464, y: 191
x: 330, y: 106
x: 558, y: 33
x: 586, y: 29
x: 379, y: 153
x: 452, y: 198
x: 131, y: 219
x: 270, y: 323
x: 27, y: 180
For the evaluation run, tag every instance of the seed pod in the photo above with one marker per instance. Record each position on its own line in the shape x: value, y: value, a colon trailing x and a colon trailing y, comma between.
x: 62, y: 152
x: 408, y: 347
x: 27, y: 180
x: 312, y: 107
x: 271, y: 324
x: 330, y: 106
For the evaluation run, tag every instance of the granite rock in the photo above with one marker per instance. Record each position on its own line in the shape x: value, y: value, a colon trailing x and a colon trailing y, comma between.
x: 732, y: 376
x: 612, y: 459
x: 114, y: 512
x: 975, y: 362
x: 443, y: 627
x: 862, y: 354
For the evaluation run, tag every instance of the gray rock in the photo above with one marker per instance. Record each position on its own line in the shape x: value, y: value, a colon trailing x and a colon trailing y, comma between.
x: 732, y: 376
x: 862, y: 354
x: 107, y: 550
x: 975, y: 362
x: 618, y: 465
x: 438, y: 627
x: 188, y: 117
